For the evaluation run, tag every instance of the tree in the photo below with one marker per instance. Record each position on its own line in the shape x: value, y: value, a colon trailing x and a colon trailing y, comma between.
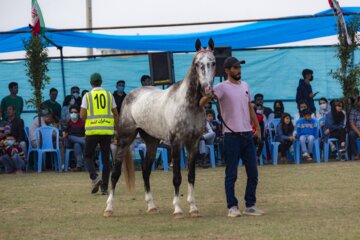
x: 348, y: 74
x: 36, y: 64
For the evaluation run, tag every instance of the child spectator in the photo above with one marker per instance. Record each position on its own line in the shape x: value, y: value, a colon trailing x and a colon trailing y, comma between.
x: 307, y: 131
x: 284, y: 135
x: 14, y: 157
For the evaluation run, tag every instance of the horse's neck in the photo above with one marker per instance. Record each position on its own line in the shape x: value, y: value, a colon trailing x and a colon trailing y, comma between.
x: 192, y: 89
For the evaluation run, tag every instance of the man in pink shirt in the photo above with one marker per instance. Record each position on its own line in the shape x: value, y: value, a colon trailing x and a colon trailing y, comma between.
x: 237, y: 115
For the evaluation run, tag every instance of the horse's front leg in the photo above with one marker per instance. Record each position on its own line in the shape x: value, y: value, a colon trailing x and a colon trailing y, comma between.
x: 175, y: 153
x: 192, y: 152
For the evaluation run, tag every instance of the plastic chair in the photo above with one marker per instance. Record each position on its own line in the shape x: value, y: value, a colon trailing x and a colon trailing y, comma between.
x: 47, y: 146
x: 164, y: 157
x: 211, y: 154
x: 30, y: 150
x: 274, y: 146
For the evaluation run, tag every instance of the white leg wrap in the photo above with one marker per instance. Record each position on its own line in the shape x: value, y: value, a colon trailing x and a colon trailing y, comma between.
x: 150, y: 201
x: 176, y: 203
x: 191, y: 198
x: 109, y: 206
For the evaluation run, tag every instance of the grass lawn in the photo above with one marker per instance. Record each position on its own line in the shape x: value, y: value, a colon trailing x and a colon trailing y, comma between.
x: 308, y: 201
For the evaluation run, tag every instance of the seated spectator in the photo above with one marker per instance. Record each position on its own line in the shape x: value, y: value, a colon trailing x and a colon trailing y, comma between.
x: 208, y: 138
x: 12, y: 100
x: 16, y: 126
x: 46, y: 120
x: 2, y: 147
x: 307, y: 131
x: 74, y: 135
x: 259, y: 110
x: 14, y: 157
x: 324, y: 107
x: 284, y: 135
x: 52, y: 104
x: 302, y: 106
x: 278, y: 110
x: 72, y: 99
x: 335, y: 123
x: 354, y: 133
x: 259, y: 100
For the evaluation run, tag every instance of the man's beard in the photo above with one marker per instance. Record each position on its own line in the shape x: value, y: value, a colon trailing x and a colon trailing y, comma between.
x: 236, y: 77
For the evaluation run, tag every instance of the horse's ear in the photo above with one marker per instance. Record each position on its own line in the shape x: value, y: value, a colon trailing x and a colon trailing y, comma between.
x: 197, y: 45
x: 211, y: 44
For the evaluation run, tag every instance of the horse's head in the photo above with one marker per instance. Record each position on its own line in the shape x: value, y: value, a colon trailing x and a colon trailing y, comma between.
x: 204, y: 62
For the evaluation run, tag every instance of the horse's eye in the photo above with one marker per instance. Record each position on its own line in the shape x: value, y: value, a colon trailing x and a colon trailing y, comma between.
x: 213, y: 64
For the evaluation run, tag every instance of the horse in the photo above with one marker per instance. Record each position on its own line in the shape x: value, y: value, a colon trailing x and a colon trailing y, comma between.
x: 174, y: 115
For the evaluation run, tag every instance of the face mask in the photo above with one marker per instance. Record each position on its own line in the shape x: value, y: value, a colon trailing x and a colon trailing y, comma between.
x: 76, y: 95
x: 311, y: 78
x: 259, y: 111
x: 73, y: 116
x: 120, y: 88
x: 10, y: 142
x: 323, y: 106
x: 277, y: 109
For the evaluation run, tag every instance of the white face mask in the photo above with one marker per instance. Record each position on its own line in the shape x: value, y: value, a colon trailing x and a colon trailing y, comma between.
x: 259, y: 111
x: 323, y: 106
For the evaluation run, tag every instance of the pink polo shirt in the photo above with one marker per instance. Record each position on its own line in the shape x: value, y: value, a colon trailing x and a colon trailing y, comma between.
x: 234, y: 102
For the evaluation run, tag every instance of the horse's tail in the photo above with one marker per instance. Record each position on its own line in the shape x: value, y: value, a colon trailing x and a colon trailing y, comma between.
x: 129, y: 171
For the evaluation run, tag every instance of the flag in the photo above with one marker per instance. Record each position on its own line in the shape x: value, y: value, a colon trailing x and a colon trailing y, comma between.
x: 37, y: 23
x: 342, y: 24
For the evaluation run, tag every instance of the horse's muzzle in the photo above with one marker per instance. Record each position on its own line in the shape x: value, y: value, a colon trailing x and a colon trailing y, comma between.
x: 207, y: 90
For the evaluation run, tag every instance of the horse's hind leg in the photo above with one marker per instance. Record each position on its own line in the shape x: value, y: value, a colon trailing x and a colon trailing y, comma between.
x: 151, y: 147
x: 175, y: 153
x: 121, y: 152
x: 191, y: 150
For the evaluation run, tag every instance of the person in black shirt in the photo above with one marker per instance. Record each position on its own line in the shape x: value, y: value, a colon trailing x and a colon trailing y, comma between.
x: 119, y: 94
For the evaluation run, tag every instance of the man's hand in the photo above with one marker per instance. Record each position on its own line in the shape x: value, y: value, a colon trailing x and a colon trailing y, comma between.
x: 291, y: 138
x: 326, y: 132
x: 204, y: 100
x: 257, y: 135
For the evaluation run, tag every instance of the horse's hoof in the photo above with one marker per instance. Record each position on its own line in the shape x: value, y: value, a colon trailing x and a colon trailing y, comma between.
x: 153, y: 210
x: 194, y: 214
x: 178, y: 215
x: 108, y: 213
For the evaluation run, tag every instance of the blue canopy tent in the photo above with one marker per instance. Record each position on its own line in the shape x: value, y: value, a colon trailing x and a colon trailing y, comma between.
x: 253, y: 35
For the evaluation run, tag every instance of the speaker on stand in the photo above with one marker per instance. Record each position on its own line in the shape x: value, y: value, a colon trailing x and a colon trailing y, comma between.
x: 221, y: 53
x: 161, y: 68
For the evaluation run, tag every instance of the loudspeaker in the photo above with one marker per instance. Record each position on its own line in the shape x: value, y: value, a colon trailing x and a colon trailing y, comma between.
x: 161, y: 68
x: 221, y: 53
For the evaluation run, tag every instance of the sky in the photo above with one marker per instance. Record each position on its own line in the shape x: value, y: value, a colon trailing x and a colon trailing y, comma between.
x: 107, y: 13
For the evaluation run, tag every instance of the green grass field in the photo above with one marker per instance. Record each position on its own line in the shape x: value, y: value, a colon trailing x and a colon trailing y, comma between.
x: 308, y: 201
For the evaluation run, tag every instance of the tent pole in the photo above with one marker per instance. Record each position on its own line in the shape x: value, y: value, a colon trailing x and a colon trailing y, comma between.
x: 62, y: 70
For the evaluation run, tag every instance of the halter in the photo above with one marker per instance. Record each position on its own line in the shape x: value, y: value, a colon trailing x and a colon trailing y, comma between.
x: 204, y: 50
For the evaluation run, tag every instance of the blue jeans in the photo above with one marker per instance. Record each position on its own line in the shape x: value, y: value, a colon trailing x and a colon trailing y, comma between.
x: 13, y: 163
x: 238, y: 147
x: 310, y: 140
x: 78, y: 143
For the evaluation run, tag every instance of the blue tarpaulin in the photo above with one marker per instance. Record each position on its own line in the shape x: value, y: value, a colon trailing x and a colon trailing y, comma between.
x: 251, y: 35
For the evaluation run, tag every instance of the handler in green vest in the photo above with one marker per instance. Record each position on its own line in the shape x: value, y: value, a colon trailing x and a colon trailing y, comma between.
x: 98, y: 110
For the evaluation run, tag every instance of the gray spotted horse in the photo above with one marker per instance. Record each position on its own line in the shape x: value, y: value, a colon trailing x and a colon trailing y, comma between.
x: 173, y: 114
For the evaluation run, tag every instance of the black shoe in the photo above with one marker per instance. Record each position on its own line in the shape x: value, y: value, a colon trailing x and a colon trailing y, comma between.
x: 95, y: 184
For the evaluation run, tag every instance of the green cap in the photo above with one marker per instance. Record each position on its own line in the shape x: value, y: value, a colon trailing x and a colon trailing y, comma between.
x: 96, y: 78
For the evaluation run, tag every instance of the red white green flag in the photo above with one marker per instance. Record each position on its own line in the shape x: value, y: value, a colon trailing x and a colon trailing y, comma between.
x: 37, y: 23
